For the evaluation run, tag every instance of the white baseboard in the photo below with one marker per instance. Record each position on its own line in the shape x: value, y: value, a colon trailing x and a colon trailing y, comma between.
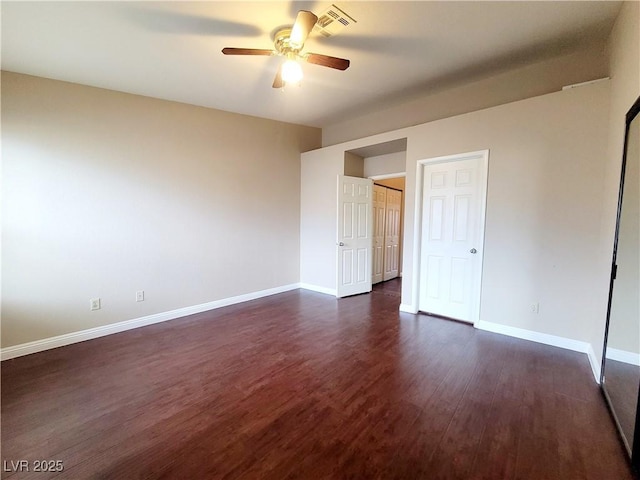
x: 82, y: 335
x: 623, y: 356
x: 546, y: 339
x: 404, y: 307
x: 316, y: 288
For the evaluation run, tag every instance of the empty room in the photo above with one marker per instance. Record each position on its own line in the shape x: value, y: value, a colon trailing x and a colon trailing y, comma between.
x: 305, y: 239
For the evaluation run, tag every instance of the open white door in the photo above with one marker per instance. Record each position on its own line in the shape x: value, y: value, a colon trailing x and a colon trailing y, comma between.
x: 453, y: 211
x: 355, y: 232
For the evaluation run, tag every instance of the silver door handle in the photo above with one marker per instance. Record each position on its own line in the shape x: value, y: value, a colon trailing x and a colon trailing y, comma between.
x: 473, y: 250
x: 341, y: 244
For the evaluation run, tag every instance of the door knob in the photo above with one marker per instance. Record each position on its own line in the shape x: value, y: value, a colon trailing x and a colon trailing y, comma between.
x: 473, y: 250
x: 341, y: 244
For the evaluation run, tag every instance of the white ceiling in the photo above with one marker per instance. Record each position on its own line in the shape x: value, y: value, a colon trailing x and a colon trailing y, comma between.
x: 171, y: 50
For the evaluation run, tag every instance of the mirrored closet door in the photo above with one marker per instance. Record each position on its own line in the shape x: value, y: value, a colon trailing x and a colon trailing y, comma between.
x: 621, y: 362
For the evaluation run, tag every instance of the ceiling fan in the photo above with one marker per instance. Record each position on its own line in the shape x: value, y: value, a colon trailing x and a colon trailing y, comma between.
x: 288, y: 43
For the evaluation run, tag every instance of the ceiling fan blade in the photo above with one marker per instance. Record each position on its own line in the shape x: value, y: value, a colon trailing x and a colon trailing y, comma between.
x: 278, y: 82
x: 246, y: 51
x: 327, y: 61
x: 302, y: 28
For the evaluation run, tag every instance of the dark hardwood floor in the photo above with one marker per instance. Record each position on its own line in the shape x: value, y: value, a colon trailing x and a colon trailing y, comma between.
x: 301, y: 385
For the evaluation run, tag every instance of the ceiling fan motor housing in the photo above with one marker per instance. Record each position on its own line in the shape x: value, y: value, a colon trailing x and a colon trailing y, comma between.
x: 282, y: 42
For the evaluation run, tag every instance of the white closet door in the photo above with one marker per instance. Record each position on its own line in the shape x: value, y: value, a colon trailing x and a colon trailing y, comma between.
x: 392, y: 234
x: 379, y: 207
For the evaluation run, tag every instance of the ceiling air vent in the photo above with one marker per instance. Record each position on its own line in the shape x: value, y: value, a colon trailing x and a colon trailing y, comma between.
x: 332, y: 21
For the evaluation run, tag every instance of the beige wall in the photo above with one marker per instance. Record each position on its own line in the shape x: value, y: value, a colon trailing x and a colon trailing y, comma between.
x: 106, y: 193
x: 318, y: 221
x: 446, y: 100
x: 353, y: 165
x: 385, y: 164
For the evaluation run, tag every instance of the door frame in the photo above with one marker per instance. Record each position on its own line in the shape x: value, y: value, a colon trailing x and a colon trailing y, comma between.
x: 386, y: 176
x: 483, y: 156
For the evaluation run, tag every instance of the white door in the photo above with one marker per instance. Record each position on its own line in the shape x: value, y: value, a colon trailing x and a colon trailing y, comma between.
x: 392, y: 234
x: 452, y: 236
x: 355, y: 233
x: 379, y: 208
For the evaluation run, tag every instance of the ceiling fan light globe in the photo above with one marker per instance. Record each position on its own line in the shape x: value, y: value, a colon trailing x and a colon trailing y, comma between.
x: 291, y: 71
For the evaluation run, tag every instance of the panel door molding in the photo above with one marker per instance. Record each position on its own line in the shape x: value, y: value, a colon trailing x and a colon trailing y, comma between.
x: 355, y: 233
x: 450, y: 211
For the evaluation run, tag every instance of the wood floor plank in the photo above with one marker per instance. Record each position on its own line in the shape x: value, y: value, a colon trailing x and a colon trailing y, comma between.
x: 496, y: 456
x: 469, y: 421
x: 303, y: 386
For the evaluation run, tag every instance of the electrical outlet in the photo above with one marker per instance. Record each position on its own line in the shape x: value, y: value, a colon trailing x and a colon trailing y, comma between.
x: 94, y: 304
x: 534, y: 307
x: 140, y: 296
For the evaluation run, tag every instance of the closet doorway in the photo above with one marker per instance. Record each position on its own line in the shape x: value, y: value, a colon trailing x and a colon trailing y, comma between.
x: 387, y: 209
x: 385, y: 163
